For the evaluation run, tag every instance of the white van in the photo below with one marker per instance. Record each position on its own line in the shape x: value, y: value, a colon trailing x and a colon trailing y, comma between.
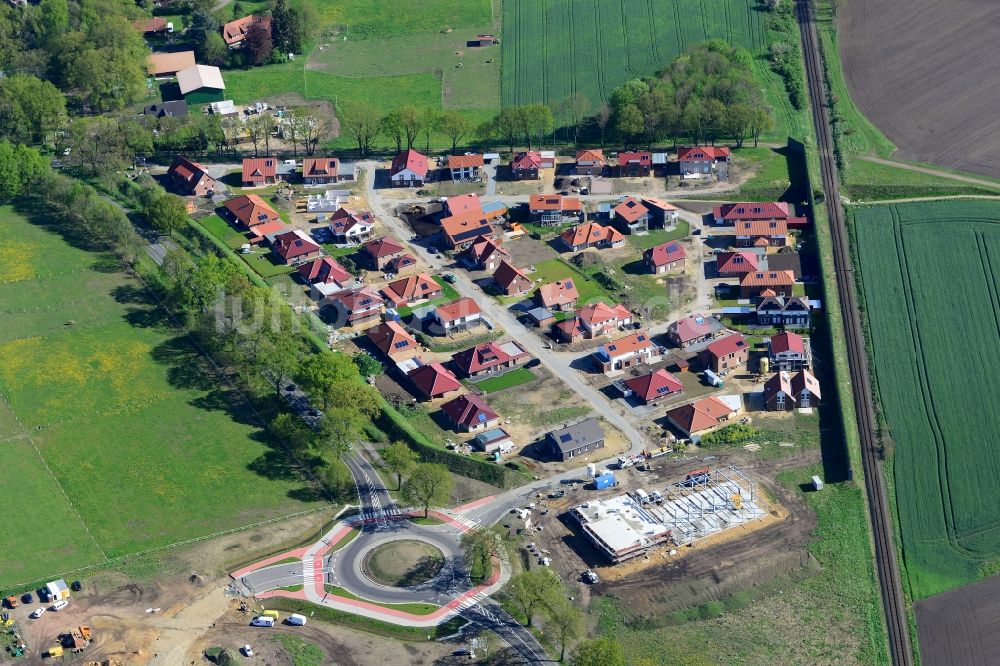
x: 297, y: 620
x: 262, y: 621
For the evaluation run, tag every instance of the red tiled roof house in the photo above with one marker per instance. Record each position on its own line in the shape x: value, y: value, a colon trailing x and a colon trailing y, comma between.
x: 736, y: 264
x: 458, y: 315
x: 488, y: 358
x: 726, y: 355
x: 591, y: 235
x: 701, y: 159
x: 693, y: 330
x: 485, y: 255
x: 784, y: 391
x: 249, y: 211
x: 469, y: 413
x: 349, y: 226
x: 559, y: 296
x: 525, y: 166
x: 320, y: 170
x: 465, y: 167
x: 664, y: 258
x: 409, y: 169
x: 357, y: 306
x: 433, y: 380
x: 589, y: 162
x: 295, y: 247
x: 654, y: 387
x: 626, y: 352
x: 700, y: 416
x: 778, y: 283
x: 381, y: 251
x: 324, y: 276
x: 260, y: 171
x: 635, y: 164
x: 191, y: 179
x: 789, y: 351
x: 554, y: 209
x: 511, y: 280
x: 235, y: 32
x: 393, y: 341
x: 412, y: 289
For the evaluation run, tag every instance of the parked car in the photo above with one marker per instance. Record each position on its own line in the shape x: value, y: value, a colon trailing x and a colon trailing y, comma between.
x: 59, y: 605
x: 247, y: 651
x: 38, y: 612
x: 557, y: 494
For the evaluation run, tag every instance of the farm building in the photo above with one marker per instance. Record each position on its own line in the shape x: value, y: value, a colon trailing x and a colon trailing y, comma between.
x: 469, y: 413
x: 151, y: 26
x: 591, y: 235
x: 785, y: 391
x: 381, y: 251
x: 409, y: 169
x: 559, y: 296
x: 191, y: 178
x: 465, y: 167
x: 235, y: 32
x: 630, y: 216
x: 201, y: 84
x: 664, y: 258
x: 458, y: 315
x: 705, y: 503
x: 554, y: 209
x: 483, y: 40
x: 726, y: 355
x: 626, y: 352
x: 589, y: 162
x: 575, y: 440
x: 164, y: 65
x: 701, y: 159
x: 635, y: 164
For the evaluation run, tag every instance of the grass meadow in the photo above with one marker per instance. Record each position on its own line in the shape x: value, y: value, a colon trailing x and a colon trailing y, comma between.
x: 933, y: 347
x: 114, y: 435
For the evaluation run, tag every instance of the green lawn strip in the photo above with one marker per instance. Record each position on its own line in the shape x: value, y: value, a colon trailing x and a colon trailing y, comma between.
x: 302, y: 652
x: 507, y: 380
x: 224, y: 231
x: 291, y: 588
x: 287, y: 560
x: 552, y: 270
x: 366, y: 20
x: 659, y: 236
x: 420, y: 419
x: 414, y: 608
x: 448, y: 294
x: 346, y: 539
x: 38, y: 512
x: 867, y: 181
x: 836, y: 610
x: 429, y: 520
x: 355, y: 621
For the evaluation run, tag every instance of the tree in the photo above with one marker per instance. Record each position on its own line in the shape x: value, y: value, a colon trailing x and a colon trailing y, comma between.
x: 598, y: 652
x: 309, y: 128
x: 508, y: 124
x: 391, y: 125
x: 202, y: 25
x: 259, y: 128
x: 533, y: 588
x: 30, y: 109
x: 337, y: 478
x: 213, y: 50
x: 481, y: 545
x: 169, y: 213
x: 428, y: 484
x: 565, y: 622
x: 760, y: 122
x: 399, y: 459
x: 295, y: 434
x: 455, y: 126
x: 602, y: 119
x: 287, y: 28
x: 258, y: 45
x: 10, y: 172
x: 629, y: 123
x: 538, y: 121
x: 573, y: 110
x: 410, y: 122
x: 360, y: 121
x: 368, y: 365
x: 321, y: 371
x: 53, y: 20
x: 430, y: 121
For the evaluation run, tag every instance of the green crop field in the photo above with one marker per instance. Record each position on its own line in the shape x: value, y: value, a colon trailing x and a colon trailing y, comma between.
x: 553, y: 49
x: 114, y: 438
x: 931, y: 282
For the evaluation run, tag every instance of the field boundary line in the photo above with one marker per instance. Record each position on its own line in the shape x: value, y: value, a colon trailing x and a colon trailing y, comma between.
x: 176, y: 544
x: 17, y: 419
x: 59, y: 485
x: 53, y: 306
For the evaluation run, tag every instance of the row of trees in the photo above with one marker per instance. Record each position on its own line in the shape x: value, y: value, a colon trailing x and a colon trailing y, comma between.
x: 707, y: 94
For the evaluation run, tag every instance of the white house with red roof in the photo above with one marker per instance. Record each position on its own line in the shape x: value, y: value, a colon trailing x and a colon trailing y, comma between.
x: 458, y: 315
x: 409, y: 169
x: 637, y: 164
x: 433, y: 380
x: 465, y: 167
x: 593, y: 321
x: 731, y: 214
x: 626, y: 352
x: 789, y: 351
x: 664, y: 258
x: 470, y: 413
x: 630, y: 216
x: 701, y: 159
x: 589, y: 162
x: 349, y: 226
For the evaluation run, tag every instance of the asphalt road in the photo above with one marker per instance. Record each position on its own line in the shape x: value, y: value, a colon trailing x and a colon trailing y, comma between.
x: 273, y: 577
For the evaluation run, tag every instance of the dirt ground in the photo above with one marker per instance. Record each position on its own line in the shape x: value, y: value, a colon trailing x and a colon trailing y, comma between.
x: 929, y: 102
x: 709, y: 569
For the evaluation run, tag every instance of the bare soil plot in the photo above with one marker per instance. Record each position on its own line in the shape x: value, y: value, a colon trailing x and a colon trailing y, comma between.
x: 917, y: 68
x: 961, y: 627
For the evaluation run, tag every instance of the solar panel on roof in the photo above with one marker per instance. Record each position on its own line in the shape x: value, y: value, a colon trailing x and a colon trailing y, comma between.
x: 565, y: 437
x: 663, y: 389
x: 569, y: 284
x: 641, y: 338
x: 482, y: 417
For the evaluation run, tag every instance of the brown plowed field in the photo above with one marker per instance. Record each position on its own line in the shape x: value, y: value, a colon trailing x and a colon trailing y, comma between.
x: 927, y: 73
x: 961, y: 627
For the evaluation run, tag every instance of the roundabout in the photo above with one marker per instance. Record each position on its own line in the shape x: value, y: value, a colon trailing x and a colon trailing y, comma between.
x: 403, y: 563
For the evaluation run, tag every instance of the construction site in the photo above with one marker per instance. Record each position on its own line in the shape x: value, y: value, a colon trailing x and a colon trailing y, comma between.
x: 705, y: 503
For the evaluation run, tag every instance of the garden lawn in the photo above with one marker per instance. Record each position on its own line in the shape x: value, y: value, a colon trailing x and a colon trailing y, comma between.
x: 42, y: 532
x: 505, y: 381
x: 552, y: 270
x: 141, y: 439
x: 224, y: 231
x: 933, y: 346
x: 659, y: 236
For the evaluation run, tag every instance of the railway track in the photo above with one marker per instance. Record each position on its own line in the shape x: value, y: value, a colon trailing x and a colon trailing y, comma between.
x: 886, y: 564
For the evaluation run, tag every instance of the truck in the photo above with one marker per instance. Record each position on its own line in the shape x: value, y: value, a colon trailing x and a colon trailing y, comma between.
x: 604, y: 480
x: 624, y: 462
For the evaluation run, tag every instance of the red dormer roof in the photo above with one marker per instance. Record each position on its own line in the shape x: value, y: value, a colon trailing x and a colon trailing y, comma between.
x: 259, y: 169
x: 320, y: 166
x: 464, y: 161
x: 654, y: 385
x: 665, y: 253
x: 324, y: 270
x: 529, y: 160
x: 730, y: 344
x: 382, y: 247
x: 469, y: 410
x: 787, y: 342
x: 434, y: 380
x: 752, y: 210
x: 642, y: 158
x: 702, y: 153
x: 484, y: 356
x: 507, y: 274
x: 391, y: 338
x: 736, y: 263
x: 293, y: 244
x: 360, y: 299
x: 409, y: 159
